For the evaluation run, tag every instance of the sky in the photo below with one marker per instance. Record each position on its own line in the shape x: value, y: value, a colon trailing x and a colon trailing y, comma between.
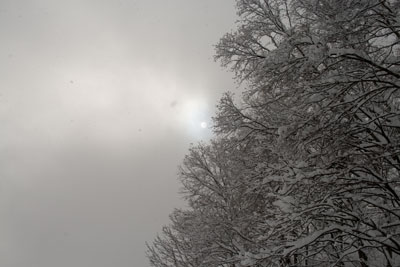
x: 99, y: 102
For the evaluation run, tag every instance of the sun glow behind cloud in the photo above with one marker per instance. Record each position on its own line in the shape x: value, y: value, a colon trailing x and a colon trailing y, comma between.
x: 193, y: 115
x: 119, y: 105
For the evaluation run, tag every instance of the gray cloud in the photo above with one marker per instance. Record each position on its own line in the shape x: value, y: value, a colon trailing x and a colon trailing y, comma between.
x: 99, y: 101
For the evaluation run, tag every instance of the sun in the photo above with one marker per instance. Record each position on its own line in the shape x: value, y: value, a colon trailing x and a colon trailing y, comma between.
x: 193, y: 113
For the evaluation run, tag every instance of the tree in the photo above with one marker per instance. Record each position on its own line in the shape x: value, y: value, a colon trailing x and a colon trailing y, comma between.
x: 304, y: 171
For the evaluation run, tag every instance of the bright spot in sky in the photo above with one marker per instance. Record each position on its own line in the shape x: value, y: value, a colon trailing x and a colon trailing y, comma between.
x: 194, y: 111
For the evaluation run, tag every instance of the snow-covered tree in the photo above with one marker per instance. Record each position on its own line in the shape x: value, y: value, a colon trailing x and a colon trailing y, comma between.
x: 304, y: 170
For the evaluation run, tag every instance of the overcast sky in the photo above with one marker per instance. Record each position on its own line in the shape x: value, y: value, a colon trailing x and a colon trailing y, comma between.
x: 99, y: 101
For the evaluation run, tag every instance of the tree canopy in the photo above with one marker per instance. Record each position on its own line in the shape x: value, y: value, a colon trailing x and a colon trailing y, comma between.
x: 304, y: 167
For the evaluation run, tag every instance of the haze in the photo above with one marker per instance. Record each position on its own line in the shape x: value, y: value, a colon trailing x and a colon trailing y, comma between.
x: 99, y: 101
